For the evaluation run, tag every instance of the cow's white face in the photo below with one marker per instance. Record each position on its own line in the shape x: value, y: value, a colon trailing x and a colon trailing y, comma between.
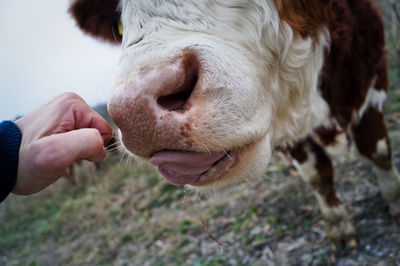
x: 205, y: 88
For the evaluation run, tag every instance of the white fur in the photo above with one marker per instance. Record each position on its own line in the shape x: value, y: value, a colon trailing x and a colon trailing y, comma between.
x: 381, y: 148
x: 340, y: 149
x: 376, y: 97
x: 259, y: 77
x: 307, y: 170
x: 337, y: 220
x: 389, y: 185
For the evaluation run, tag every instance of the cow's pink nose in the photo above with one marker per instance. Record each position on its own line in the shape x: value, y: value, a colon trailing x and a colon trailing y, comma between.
x: 149, y: 106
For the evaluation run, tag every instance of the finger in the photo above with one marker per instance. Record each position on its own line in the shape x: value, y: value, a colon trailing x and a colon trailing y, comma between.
x: 83, y: 144
x: 86, y: 117
x: 102, y: 126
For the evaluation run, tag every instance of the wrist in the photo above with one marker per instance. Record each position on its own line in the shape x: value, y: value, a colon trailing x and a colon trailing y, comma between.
x: 10, y: 140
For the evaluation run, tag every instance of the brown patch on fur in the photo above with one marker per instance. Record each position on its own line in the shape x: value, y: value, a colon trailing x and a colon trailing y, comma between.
x: 355, y: 57
x: 327, y: 135
x: 306, y: 17
x: 324, y: 183
x: 382, y: 81
x: 356, y: 53
x: 296, y: 152
x: 99, y: 18
x: 369, y: 131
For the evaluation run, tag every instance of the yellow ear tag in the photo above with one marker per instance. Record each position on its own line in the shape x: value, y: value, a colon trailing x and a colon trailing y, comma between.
x: 120, y: 29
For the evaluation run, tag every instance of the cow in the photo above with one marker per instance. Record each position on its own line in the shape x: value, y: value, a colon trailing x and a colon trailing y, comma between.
x: 206, y: 89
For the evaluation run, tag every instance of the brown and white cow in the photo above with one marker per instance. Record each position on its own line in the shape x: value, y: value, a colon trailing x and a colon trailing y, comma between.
x: 207, y: 88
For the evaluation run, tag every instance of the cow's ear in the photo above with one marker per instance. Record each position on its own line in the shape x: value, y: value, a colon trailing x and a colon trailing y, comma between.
x: 99, y: 18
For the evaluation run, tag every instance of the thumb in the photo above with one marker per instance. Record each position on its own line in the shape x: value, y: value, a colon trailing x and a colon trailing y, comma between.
x: 58, y: 151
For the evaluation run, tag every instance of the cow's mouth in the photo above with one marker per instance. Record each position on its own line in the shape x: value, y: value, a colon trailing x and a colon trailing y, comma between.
x: 193, y: 168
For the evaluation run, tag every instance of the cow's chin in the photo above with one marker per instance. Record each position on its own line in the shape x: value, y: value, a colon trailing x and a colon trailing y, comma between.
x: 231, y: 168
x: 250, y: 163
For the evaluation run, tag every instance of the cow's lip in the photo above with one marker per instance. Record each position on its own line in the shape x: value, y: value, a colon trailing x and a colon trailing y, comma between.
x: 193, y: 168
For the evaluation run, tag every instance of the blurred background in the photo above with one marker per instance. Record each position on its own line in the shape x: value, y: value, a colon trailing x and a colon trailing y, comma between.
x: 121, y: 212
x: 42, y: 54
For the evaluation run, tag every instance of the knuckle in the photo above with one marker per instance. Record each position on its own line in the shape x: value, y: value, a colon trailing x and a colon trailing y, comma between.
x: 70, y: 98
x: 69, y: 95
x: 71, y: 101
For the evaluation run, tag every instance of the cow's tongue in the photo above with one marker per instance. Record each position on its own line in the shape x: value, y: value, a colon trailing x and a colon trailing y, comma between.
x: 182, y: 168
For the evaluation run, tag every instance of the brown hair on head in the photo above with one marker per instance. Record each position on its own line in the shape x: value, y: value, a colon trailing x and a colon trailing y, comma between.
x: 305, y: 17
x: 99, y: 18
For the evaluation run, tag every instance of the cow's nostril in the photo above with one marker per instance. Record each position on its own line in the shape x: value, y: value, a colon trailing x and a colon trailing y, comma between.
x: 177, y: 100
x: 174, y: 101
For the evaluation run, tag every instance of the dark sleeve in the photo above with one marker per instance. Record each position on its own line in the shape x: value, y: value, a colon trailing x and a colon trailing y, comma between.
x: 10, y: 140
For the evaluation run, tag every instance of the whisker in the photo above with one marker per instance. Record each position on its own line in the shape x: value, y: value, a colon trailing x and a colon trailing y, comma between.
x: 249, y: 184
x: 128, y: 159
x: 124, y: 157
x: 115, y: 37
x: 114, y: 149
x: 116, y: 144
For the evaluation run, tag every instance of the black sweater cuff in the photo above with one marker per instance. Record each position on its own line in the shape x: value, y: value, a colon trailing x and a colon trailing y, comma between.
x: 10, y: 140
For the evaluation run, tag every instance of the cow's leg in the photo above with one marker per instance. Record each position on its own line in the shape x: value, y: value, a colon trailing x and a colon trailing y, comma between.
x: 315, y: 168
x: 372, y: 141
x: 70, y: 175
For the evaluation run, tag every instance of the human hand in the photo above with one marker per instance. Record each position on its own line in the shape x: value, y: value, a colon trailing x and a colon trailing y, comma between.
x: 55, y: 135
